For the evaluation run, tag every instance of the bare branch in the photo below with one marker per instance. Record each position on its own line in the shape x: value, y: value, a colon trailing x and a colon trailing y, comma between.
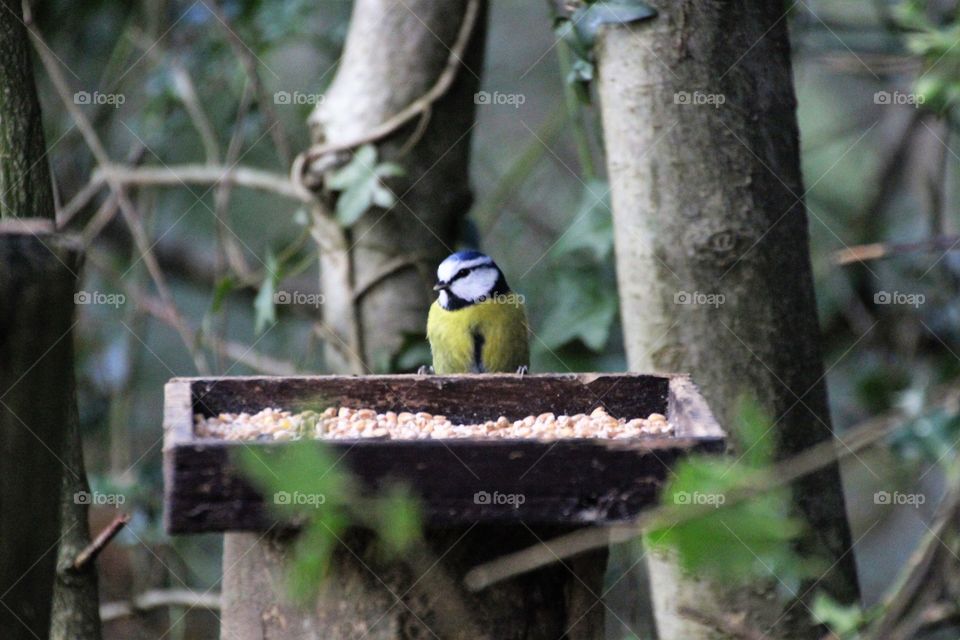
x: 129, y: 212
x: 157, y: 598
x: 264, y: 100
x: 178, y: 175
x: 877, y: 250
x: 90, y: 553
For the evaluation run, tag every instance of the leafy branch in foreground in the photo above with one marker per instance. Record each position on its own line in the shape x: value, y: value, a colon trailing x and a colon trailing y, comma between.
x: 743, y: 540
x: 304, y: 484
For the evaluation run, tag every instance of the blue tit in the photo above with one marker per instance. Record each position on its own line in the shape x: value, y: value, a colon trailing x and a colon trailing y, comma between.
x: 477, y: 324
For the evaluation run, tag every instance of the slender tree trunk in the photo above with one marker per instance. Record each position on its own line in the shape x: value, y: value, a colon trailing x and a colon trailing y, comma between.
x: 24, y: 173
x: 394, y: 53
x: 702, y: 150
x: 42, y: 527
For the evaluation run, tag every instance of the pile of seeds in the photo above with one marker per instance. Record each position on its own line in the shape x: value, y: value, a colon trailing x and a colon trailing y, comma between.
x: 345, y: 423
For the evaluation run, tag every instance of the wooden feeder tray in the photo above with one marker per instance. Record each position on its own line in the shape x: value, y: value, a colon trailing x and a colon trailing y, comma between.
x: 564, y: 482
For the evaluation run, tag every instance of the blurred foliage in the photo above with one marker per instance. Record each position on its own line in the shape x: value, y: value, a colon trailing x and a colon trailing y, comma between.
x: 309, y: 488
x: 747, y: 539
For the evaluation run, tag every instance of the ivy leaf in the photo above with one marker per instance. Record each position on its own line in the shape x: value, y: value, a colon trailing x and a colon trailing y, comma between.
x: 265, y: 313
x: 843, y: 621
x: 584, y: 311
x: 737, y: 543
x: 592, y: 228
x: 588, y: 20
x: 360, y: 185
x: 734, y: 542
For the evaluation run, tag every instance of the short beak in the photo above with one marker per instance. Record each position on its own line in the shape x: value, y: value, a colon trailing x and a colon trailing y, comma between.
x: 440, y: 286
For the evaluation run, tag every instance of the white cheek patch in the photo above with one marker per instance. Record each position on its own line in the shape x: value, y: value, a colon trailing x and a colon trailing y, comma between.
x: 477, y: 285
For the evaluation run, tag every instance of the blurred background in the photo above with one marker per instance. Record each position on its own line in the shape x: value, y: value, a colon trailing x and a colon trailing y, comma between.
x: 877, y: 84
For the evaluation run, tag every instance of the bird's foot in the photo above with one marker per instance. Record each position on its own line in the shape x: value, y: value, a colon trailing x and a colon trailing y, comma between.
x: 523, y: 370
x: 424, y: 370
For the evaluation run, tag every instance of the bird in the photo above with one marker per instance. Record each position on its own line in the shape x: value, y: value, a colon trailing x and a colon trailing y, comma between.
x: 477, y: 324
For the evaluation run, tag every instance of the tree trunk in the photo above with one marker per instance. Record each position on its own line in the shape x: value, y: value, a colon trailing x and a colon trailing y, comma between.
x: 702, y: 150
x: 394, y: 54
x: 41, y: 525
x: 37, y: 278
x: 24, y: 172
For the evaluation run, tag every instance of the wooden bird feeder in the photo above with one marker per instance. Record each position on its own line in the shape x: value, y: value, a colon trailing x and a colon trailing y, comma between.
x: 566, y: 484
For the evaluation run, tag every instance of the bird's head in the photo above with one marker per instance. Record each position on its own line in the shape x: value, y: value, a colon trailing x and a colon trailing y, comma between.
x: 468, y: 277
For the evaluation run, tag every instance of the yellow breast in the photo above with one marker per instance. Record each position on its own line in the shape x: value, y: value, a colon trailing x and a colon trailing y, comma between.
x: 494, y: 330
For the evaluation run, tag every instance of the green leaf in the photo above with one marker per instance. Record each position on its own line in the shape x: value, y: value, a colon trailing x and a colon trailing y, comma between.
x: 843, y: 621
x: 580, y: 71
x: 753, y: 538
x: 223, y: 288
x: 592, y: 228
x: 754, y: 434
x: 398, y: 520
x: 265, y: 313
x: 584, y: 311
x: 360, y: 166
x: 353, y: 203
x: 588, y: 20
x: 360, y: 186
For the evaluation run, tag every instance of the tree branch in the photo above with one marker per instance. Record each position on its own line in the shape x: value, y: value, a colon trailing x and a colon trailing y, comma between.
x: 157, y: 598
x: 90, y: 553
x: 178, y: 175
